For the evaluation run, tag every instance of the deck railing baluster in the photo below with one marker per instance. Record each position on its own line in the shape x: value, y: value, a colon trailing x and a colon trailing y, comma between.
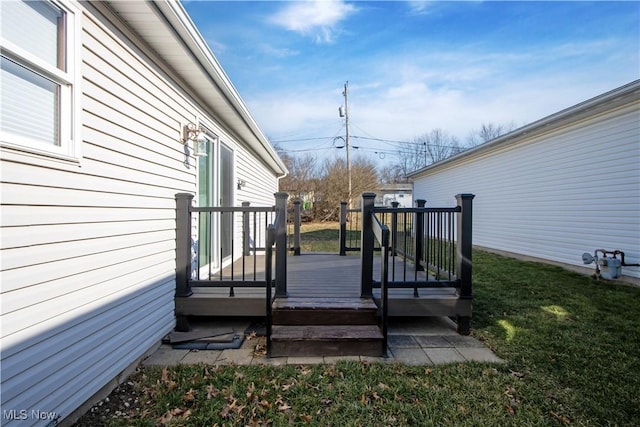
x: 440, y: 239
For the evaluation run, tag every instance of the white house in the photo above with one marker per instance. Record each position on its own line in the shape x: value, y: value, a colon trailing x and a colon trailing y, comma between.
x: 556, y: 188
x: 386, y: 194
x: 95, y: 99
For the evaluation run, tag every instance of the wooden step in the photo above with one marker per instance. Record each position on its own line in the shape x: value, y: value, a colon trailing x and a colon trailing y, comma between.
x: 326, y: 340
x: 324, y: 311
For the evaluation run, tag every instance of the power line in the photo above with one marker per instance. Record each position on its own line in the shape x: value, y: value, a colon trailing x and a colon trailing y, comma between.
x: 416, y: 143
x: 302, y: 139
x: 302, y: 150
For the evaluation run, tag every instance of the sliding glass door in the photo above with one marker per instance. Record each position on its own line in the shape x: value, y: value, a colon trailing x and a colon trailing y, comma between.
x: 215, y: 188
x: 226, y: 200
x: 206, y: 197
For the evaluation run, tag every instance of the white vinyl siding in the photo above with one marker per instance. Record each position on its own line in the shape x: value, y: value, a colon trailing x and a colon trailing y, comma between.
x: 88, y: 249
x: 554, y: 194
x: 88, y: 254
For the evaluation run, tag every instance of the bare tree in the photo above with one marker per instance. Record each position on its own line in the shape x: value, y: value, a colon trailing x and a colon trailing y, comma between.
x: 303, y: 173
x: 332, y: 187
x: 439, y: 145
x: 487, y: 132
x: 424, y: 150
x: 393, y: 174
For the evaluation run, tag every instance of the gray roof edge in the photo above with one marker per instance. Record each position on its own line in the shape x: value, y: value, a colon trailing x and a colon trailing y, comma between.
x: 177, y: 17
x: 209, y: 61
x: 619, y: 96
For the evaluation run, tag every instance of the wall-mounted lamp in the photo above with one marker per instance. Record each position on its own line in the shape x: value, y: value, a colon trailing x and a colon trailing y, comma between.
x: 241, y: 184
x: 200, y: 141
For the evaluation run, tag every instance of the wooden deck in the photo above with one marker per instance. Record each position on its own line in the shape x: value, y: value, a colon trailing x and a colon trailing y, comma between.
x: 315, y: 275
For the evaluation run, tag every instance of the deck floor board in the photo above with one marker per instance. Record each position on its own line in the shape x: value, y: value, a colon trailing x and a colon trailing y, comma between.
x: 312, y: 275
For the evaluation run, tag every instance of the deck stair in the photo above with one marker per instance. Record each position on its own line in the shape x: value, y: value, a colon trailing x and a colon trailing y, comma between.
x: 325, y: 327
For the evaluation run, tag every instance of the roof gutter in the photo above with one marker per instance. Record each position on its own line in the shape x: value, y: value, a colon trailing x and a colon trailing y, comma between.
x: 611, y: 99
x: 176, y: 15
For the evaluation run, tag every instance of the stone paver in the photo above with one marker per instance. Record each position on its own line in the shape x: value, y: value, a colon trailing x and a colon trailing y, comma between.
x: 441, y: 356
x: 306, y: 360
x: 429, y: 341
x: 422, y: 326
x: 207, y: 357
x: 165, y: 356
x: 402, y: 341
x: 411, y: 356
x: 241, y: 356
x: 373, y: 359
x: 412, y: 341
x: 270, y: 361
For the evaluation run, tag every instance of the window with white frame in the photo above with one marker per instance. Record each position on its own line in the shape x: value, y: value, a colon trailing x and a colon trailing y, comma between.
x: 39, y: 89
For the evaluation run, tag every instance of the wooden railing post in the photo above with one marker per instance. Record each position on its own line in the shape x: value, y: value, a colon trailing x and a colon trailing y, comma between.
x: 343, y: 228
x: 384, y: 288
x: 281, y: 244
x: 367, y: 243
x: 419, y: 237
x: 183, y: 244
x: 246, y: 231
x: 463, y: 255
x: 296, y: 227
x: 268, y: 256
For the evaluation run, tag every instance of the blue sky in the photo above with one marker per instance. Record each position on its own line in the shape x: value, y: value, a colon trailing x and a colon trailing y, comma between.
x: 414, y: 66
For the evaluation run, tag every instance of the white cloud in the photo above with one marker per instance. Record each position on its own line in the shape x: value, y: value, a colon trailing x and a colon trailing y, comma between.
x: 317, y: 18
x: 277, y: 52
x: 406, y: 94
x: 419, y: 7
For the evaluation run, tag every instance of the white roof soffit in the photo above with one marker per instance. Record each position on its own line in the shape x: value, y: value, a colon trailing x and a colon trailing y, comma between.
x: 167, y: 28
x: 609, y: 100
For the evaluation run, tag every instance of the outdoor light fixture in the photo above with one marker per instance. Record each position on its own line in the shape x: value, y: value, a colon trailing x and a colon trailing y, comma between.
x: 241, y: 184
x: 200, y: 141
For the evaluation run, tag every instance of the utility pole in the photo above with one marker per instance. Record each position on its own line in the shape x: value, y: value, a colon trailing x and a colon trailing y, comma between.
x: 346, y: 117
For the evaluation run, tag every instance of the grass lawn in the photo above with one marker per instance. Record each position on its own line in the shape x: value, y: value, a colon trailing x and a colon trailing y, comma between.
x: 320, y: 237
x: 572, y: 346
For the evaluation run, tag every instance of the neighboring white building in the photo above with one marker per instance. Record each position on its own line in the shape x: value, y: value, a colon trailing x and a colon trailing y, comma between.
x: 389, y: 193
x: 94, y: 100
x: 554, y: 189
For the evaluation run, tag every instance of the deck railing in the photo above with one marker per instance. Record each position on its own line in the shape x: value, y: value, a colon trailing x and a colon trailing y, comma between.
x: 350, y: 228
x: 223, y: 246
x: 293, y: 228
x: 429, y: 248
x: 381, y: 235
x: 271, y: 241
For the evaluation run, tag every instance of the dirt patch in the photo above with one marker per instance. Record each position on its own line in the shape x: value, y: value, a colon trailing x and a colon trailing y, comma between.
x: 123, y: 403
